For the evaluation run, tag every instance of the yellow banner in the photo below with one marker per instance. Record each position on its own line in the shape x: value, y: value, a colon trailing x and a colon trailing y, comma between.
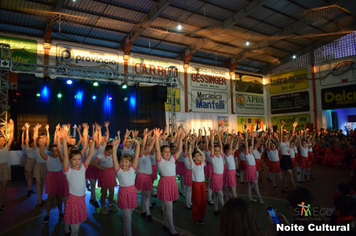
x: 250, y: 122
x: 290, y: 81
x: 167, y: 103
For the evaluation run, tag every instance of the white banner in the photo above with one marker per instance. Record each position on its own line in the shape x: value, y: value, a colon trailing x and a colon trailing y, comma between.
x: 87, y: 57
x: 208, y: 101
x: 154, y: 67
x: 208, y: 78
x: 337, y: 72
x: 249, y: 104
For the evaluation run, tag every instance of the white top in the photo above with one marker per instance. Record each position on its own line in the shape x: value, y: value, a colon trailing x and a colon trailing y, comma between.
x: 101, y: 148
x: 187, y: 162
x: 53, y: 164
x: 250, y: 160
x: 167, y: 168
x: 38, y: 157
x: 76, y: 180
x: 242, y: 156
x: 30, y: 152
x: 256, y: 154
x: 310, y: 148
x: 295, y: 149
x: 207, y: 155
x: 273, y: 155
x: 144, y: 165
x: 95, y: 154
x: 292, y: 153
x: 125, y: 150
x: 284, y: 147
x: 105, y: 161
x: 181, y: 158
x: 304, y: 151
x: 4, y: 153
x: 126, y: 178
x: 230, y: 162
x: 153, y: 159
x: 198, y: 172
x: 218, y: 164
x: 24, y: 149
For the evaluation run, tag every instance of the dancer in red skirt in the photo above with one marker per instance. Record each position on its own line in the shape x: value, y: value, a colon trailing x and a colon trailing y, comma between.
x: 75, y: 211
x: 257, y: 154
x: 305, y: 161
x: 127, y: 196
x: 230, y: 178
x: 208, y: 167
x: 273, y: 164
x: 188, y: 182
x: 167, y: 186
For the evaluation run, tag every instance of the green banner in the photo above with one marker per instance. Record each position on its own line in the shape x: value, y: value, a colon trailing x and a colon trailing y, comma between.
x: 302, y: 120
x: 21, y: 50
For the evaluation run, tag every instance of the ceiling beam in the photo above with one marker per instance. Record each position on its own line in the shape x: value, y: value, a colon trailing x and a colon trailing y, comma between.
x: 47, y: 31
x: 154, y: 12
x: 187, y: 53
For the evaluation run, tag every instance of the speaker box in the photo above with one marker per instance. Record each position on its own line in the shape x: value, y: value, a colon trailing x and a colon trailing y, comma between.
x: 17, y: 173
x: 159, y: 94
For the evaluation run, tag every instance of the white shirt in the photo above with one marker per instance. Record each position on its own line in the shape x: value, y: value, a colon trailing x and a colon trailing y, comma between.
x: 105, y: 161
x: 207, y: 155
x: 218, y: 164
x: 30, y: 152
x: 167, y: 168
x: 292, y: 153
x: 153, y: 159
x: 187, y: 162
x: 250, y: 160
x: 242, y: 156
x: 310, y: 148
x: 256, y: 154
x: 101, y: 148
x: 125, y: 150
x: 144, y: 165
x: 95, y: 154
x: 273, y: 155
x: 126, y: 178
x: 38, y: 157
x: 304, y: 151
x: 295, y: 149
x: 230, y: 162
x: 76, y: 180
x: 181, y: 158
x: 24, y: 149
x: 53, y: 164
x: 4, y: 154
x: 198, y: 172
x: 284, y: 147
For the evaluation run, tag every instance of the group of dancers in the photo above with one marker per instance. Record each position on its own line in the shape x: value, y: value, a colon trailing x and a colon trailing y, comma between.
x: 64, y: 167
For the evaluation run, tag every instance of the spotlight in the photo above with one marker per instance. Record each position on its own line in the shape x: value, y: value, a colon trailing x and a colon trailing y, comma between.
x: 93, y: 97
x: 75, y: 96
x: 294, y: 56
x: 69, y: 81
x: 95, y: 84
x: 38, y: 95
x: 247, y: 43
x: 124, y: 86
x: 125, y: 99
x: 59, y: 95
x: 110, y: 98
x: 179, y: 27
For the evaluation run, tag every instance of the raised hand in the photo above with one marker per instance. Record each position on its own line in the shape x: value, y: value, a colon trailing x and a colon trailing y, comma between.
x: 27, y: 125
x: 283, y: 123
x: 23, y: 128
x: 79, y: 127
x: 106, y: 124
x: 295, y: 124
x: 47, y: 126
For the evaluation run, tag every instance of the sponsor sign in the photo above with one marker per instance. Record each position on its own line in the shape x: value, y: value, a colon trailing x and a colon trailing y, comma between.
x: 290, y: 81
x: 302, y: 120
x: 107, y: 61
x: 208, y: 78
x: 249, y: 104
x: 153, y: 67
x: 168, y: 102
x: 289, y: 103
x: 21, y: 50
x: 251, y: 123
x: 337, y: 72
x: 248, y: 83
x: 209, y: 101
x: 338, y: 97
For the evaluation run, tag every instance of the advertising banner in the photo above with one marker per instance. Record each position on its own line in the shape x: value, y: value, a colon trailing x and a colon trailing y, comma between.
x: 107, y: 61
x: 249, y: 104
x: 209, y: 78
x: 290, y: 103
x: 21, y: 50
x: 337, y: 72
x: 302, y: 120
x: 290, y: 81
x: 338, y: 97
x: 251, y: 123
x: 153, y: 67
x: 248, y: 83
x: 169, y: 94
x: 208, y: 101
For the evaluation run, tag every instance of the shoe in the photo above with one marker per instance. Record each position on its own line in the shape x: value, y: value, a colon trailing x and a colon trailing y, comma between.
x: 149, y: 218
x: 104, y: 211
x: 174, y: 201
x: 45, y: 219
x: 211, y: 202
x: 262, y: 202
x: 275, y: 186
x: 203, y: 219
x: 96, y: 204
x: 154, y: 195
x: 33, y: 192
x: 200, y: 222
x: 242, y: 182
x: 285, y: 190
x: 28, y: 193
x: 176, y: 234
x: 143, y: 214
x: 165, y: 228
x: 112, y: 208
x: 3, y: 207
x: 299, y: 183
x: 151, y: 207
x: 189, y: 208
x: 217, y: 212
x: 253, y: 200
x: 269, y: 179
x: 309, y: 180
x: 153, y: 203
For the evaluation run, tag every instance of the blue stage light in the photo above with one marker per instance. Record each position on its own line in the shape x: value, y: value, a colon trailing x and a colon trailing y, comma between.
x: 69, y: 81
x: 93, y: 97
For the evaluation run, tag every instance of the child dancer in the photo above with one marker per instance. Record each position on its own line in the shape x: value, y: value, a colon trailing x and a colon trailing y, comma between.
x: 181, y: 170
x: 4, y: 169
x: 127, y: 197
x: 24, y: 153
x: 207, y: 153
x: 216, y: 182
x: 167, y: 186
x: 31, y: 161
x: 250, y: 174
x: 230, y: 179
x: 242, y: 163
x: 143, y: 178
x: 188, y: 182
x: 75, y: 211
x: 197, y: 162
x: 273, y: 164
x: 127, y: 144
x: 305, y: 161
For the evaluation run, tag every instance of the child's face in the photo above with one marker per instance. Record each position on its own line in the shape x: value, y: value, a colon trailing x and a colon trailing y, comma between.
x: 273, y: 146
x: 54, y: 152
x: 166, y: 153
x: 198, y: 157
x: 304, y: 144
x: 174, y: 150
x: 72, y: 141
x: 201, y: 146
x: 127, y: 144
x: 75, y: 161
x: 292, y: 144
x: 250, y: 149
x: 125, y: 164
x: 2, y: 141
x: 108, y: 153
x: 217, y: 151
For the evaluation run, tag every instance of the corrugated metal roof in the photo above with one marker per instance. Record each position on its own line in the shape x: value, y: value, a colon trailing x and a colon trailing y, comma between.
x: 82, y: 18
x: 277, y: 4
x: 293, y: 10
x: 211, y: 62
x: 21, y: 5
x: 141, y: 5
x: 140, y: 49
x: 125, y: 14
x: 266, y: 29
x: 145, y: 42
x: 21, y: 30
x: 192, y: 5
x: 101, y: 42
x: 279, y: 20
x: 196, y: 59
x: 201, y: 21
x: 217, y: 13
x: 106, y: 34
x: 234, y: 5
x: 248, y: 22
x: 163, y: 53
x: 210, y: 55
x: 115, y: 25
x: 261, y: 13
x: 68, y: 37
x: 170, y: 47
x: 90, y: 5
x: 72, y: 28
x: 245, y: 68
x: 22, y: 19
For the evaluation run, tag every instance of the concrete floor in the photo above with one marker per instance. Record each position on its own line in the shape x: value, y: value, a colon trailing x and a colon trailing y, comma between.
x: 24, y: 217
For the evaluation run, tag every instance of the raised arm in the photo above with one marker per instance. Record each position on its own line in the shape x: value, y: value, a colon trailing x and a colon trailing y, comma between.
x: 35, y: 135
x: 23, y: 136
x: 11, y: 124
x: 187, y: 150
x: 220, y: 144
x: 115, y: 144
x: 200, y: 151
x: 246, y: 141
x: 42, y: 146
x: 190, y: 152
x: 157, y: 133
x: 64, y: 134
x: 136, y: 154
x: 144, y: 141
x: 85, y: 138
x: 153, y: 140
x: 27, y: 140
x: 92, y: 146
x: 48, y: 136
x: 106, y: 124
x: 282, y: 125
x: 126, y: 136
x: 211, y: 140
x: 79, y: 128
x: 294, y: 125
x: 180, y: 144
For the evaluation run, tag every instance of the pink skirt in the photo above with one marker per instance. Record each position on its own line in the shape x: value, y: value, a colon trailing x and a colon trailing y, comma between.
x: 107, y: 178
x: 188, y: 179
x: 258, y: 164
x: 154, y: 173
x: 210, y: 170
x: 298, y: 159
x: 180, y: 168
x: 294, y: 163
x: 230, y: 178
x: 311, y: 157
x: 65, y: 187
x: 216, y: 182
x: 92, y: 172
x: 242, y: 165
x: 250, y: 174
x: 305, y: 162
x: 167, y: 189
x: 274, y: 167
x: 127, y: 197
x: 4, y: 172
x: 54, y: 182
x: 75, y: 210
x: 143, y: 182
x: 40, y: 171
